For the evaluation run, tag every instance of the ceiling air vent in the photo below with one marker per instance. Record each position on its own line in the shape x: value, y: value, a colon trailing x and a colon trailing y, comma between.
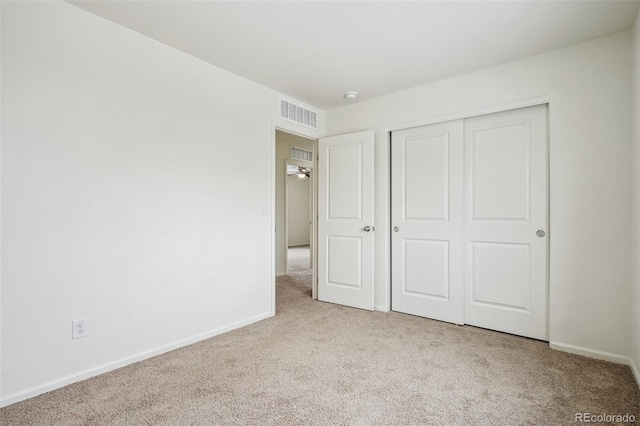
x: 301, y: 154
x: 298, y: 114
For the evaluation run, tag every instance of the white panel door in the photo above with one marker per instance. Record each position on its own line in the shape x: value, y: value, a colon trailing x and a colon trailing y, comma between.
x: 427, y: 217
x: 345, y: 223
x: 506, y: 204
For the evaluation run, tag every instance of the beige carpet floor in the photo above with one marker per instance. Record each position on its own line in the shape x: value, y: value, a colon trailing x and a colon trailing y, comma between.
x: 317, y: 363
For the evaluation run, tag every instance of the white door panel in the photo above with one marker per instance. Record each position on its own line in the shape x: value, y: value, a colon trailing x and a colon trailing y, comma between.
x: 344, y: 256
x: 345, y: 208
x: 506, y: 203
x: 426, y: 177
x: 500, y: 166
x: 505, y: 286
x: 427, y: 249
x: 344, y: 163
x: 425, y: 258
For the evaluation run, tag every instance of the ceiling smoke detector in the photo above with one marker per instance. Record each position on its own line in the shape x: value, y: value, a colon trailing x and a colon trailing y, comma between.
x: 351, y: 95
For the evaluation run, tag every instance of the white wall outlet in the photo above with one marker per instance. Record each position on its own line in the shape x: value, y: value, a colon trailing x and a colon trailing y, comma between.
x: 79, y: 328
x: 264, y: 210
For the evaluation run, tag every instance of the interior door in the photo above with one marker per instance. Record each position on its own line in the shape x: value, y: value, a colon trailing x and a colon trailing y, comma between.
x: 427, y: 217
x: 506, y: 221
x: 345, y: 222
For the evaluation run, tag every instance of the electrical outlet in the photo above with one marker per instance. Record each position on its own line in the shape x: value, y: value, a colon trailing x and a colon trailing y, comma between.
x: 79, y: 328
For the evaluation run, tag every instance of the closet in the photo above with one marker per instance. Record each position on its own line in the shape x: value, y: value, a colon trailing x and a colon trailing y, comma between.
x: 469, y: 221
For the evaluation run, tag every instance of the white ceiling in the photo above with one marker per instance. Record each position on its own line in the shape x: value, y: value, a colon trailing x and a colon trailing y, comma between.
x: 315, y: 51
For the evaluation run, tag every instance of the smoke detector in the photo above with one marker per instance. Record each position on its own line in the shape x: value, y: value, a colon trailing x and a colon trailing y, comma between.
x: 351, y: 95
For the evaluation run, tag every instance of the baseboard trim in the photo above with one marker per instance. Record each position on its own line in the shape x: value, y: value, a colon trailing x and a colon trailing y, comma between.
x: 281, y: 274
x: 591, y: 353
x: 122, y: 362
x: 635, y: 371
x: 605, y: 356
x: 380, y: 308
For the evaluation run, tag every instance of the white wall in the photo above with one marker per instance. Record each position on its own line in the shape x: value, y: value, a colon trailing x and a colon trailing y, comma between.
x: 117, y: 206
x: 284, y: 142
x: 117, y: 202
x: 588, y: 86
x: 635, y: 254
x: 299, y: 218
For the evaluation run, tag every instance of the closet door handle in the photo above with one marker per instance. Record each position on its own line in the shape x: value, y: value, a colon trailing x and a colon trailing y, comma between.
x: 396, y: 229
x: 366, y: 228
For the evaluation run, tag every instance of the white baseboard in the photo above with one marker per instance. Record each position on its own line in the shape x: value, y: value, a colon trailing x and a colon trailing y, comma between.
x: 122, y: 362
x: 634, y: 369
x: 591, y: 353
x: 380, y: 308
x: 281, y: 274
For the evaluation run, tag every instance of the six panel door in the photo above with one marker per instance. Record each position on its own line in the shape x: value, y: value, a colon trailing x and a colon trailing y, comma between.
x: 345, y: 222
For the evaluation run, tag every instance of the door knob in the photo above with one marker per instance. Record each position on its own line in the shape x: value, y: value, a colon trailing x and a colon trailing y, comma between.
x: 396, y: 229
x: 540, y: 233
x: 367, y: 228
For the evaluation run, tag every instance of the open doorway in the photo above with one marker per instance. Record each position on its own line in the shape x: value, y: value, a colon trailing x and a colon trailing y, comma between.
x: 298, y: 204
x: 298, y: 229
x: 294, y: 206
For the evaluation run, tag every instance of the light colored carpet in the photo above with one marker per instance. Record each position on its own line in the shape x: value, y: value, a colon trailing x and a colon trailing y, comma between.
x: 317, y: 363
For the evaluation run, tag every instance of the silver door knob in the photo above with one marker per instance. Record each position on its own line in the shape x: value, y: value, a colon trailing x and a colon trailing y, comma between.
x: 540, y: 233
x: 396, y: 229
x: 367, y: 228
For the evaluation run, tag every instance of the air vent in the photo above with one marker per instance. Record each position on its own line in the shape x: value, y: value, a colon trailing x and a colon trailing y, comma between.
x: 301, y: 154
x: 298, y: 114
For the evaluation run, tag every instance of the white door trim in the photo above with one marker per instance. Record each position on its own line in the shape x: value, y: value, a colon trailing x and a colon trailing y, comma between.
x: 490, y: 109
x: 309, y: 134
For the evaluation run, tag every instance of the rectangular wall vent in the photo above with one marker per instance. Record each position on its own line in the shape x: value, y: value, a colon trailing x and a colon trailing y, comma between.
x: 298, y: 114
x: 301, y: 154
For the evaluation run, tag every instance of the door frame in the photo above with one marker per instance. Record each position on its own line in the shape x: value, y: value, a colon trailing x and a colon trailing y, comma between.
x: 313, y: 135
x: 522, y: 103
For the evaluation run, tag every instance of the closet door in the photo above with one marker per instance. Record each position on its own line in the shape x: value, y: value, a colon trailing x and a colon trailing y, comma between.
x: 427, y: 221
x: 506, y: 205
